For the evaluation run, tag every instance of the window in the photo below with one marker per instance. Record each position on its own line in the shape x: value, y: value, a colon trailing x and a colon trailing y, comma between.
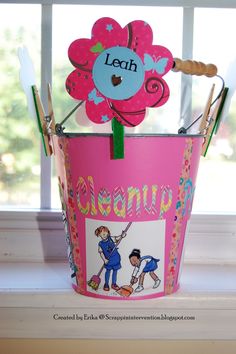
x: 19, y: 141
x: 25, y: 177
x: 218, y: 170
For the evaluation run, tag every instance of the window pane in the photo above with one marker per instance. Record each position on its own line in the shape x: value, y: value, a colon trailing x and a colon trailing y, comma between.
x: 19, y: 138
x: 77, y: 23
x: 214, y: 41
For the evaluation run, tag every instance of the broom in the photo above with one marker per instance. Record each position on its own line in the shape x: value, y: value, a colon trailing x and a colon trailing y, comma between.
x: 95, y: 280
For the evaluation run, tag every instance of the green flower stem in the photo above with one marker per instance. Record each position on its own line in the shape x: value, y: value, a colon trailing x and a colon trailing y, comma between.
x: 118, y: 139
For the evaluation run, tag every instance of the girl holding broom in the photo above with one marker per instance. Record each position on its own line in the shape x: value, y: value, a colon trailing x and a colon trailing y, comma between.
x: 110, y: 255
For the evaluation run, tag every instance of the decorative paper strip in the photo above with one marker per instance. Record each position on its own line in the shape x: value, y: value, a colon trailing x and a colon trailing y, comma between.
x: 71, y: 213
x: 174, y: 255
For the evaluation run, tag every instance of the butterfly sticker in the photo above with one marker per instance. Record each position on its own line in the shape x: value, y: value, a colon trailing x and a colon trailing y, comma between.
x: 92, y: 96
x: 158, y: 64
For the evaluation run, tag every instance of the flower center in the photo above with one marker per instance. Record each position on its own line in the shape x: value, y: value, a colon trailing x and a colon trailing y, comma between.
x: 118, y: 73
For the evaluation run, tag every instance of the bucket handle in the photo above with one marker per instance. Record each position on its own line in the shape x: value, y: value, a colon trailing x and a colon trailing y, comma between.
x: 193, y: 67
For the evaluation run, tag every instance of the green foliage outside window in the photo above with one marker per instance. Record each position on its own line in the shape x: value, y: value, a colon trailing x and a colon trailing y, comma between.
x: 19, y: 137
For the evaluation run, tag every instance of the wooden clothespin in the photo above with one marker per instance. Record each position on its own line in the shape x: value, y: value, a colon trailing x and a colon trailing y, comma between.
x: 204, y: 126
x: 51, y: 119
x: 46, y: 123
x: 206, y: 112
x: 211, y: 127
x: 212, y: 119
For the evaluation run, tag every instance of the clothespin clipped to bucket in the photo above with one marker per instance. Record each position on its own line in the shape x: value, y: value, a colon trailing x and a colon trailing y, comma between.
x: 210, y: 120
x: 46, y: 123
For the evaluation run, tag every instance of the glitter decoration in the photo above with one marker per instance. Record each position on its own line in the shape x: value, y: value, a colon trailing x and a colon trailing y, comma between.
x: 178, y: 220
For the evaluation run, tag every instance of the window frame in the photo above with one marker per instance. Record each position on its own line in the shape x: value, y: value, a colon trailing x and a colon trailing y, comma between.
x: 46, y: 67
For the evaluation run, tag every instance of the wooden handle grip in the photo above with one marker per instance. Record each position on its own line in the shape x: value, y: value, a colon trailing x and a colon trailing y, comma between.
x: 192, y: 67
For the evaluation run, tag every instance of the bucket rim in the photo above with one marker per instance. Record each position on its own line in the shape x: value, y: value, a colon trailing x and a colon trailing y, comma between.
x: 134, y: 135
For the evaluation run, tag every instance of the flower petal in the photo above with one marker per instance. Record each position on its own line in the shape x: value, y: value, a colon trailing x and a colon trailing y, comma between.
x: 79, y: 83
x: 80, y: 54
x: 97, y: 108
x: 129, y: 118
x: 140, y: 36
x: 153, y: 93
x: 109, y: 32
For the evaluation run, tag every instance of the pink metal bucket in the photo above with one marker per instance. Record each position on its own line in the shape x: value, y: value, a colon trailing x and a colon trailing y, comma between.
x: 126, y: 219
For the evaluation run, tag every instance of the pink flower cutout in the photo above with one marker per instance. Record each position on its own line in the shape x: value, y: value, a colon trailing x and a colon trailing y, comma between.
x: 119, y: 72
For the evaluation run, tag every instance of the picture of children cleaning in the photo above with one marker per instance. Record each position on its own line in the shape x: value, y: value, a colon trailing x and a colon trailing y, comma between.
x: 108, y: 251
x: 143, y: 265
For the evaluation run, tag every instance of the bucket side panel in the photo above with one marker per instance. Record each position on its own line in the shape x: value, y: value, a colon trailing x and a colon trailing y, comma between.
x: 143, y: 188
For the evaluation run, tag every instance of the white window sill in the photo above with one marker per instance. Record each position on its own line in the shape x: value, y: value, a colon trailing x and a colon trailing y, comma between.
x: 35, y: 285
x: 32, y: 293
